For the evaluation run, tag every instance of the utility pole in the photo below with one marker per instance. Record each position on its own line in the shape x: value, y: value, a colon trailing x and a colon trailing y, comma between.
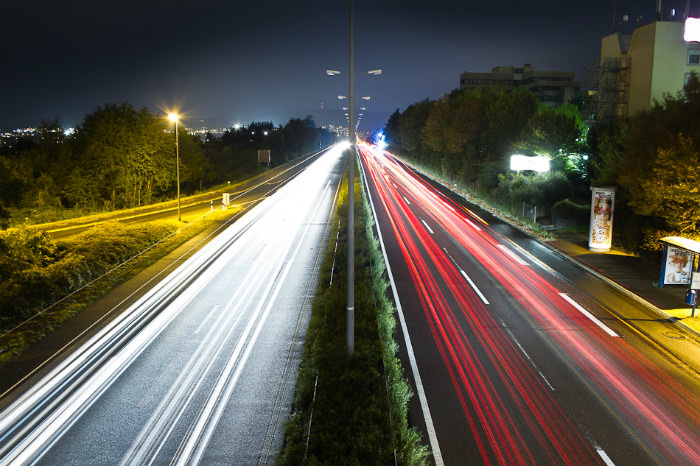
x: 350, y: 309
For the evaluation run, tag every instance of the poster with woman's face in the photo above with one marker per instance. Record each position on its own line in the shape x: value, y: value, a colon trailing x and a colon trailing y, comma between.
x: 679, y: 264
x: 601, y: 219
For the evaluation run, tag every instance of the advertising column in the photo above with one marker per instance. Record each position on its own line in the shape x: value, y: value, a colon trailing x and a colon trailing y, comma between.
x: 602, y: 207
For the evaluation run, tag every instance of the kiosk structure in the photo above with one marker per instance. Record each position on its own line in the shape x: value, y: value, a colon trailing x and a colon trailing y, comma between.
x: 678, y: 266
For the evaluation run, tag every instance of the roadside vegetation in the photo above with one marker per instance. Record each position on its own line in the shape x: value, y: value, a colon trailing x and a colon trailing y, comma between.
x: 352, y: 411
x: 466, y: 138
x: 44, y: 282
x: 121, y: 157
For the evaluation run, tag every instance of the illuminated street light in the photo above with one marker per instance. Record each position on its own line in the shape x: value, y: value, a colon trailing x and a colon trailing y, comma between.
x: 350, y: 316
x: 175, y: 117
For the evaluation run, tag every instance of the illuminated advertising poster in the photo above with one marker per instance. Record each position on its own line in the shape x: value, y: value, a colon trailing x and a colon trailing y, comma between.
x: 602, y: 207
x: 678, y: 266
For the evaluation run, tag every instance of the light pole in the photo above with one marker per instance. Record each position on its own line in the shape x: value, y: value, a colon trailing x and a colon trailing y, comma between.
x: 350, y: 308
x: 175, y: 117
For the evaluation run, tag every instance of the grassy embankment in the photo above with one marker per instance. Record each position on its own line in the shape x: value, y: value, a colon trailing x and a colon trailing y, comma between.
x: 44, y: 282
x: 352, y: 411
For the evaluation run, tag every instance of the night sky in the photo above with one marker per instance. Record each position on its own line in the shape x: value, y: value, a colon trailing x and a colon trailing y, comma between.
x: 223, y: 62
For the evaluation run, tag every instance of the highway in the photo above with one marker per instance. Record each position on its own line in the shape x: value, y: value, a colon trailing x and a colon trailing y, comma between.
x: 516, y: 356
x: 202, y: 368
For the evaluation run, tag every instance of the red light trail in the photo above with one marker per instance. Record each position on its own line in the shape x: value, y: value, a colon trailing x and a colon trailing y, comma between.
x: 514, y: 417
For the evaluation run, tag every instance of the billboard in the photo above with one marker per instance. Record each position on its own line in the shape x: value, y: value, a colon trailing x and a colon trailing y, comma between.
x: 677, y: 266
x: 523, y: 162
x: 602, y: 209
x: 264, y: 156
x: 692, y: 30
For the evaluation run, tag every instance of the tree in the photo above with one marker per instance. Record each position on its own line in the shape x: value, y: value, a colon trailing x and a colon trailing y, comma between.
x: 122, y: 154
x: 673, y: 191
x: 551, y: 133
x: 660, y: 147
x: 391, y: 130
x: 606, y: 141
x: 411, y: 126
x: 506, y: 116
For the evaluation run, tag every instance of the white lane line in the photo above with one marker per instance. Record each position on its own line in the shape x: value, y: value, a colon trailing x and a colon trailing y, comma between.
x: 585, y: 312
x: 522, y: 350
x: 407, y: 201
x: 472, y: 224
x: 473, y: 285
x: 464, y: 274
x: 512, y: 254
x: 604, y: 456
x: 420, y: 391
x: 427, y: 227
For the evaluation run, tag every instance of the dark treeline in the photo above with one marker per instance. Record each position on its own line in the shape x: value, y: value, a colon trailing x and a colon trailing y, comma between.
x: 467, y: 137
x: 121, y: 157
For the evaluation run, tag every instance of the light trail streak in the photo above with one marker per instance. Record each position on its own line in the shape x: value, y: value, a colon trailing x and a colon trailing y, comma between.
x: 493, y: 425
x: 38, y: 418
x: 647, y: 402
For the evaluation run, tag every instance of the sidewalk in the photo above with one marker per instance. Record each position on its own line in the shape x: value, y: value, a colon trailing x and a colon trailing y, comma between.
x: 633, y: 274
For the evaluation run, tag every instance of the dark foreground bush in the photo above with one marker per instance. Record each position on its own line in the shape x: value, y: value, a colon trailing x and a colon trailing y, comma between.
x: 36, y: 271
x: 352, y: 411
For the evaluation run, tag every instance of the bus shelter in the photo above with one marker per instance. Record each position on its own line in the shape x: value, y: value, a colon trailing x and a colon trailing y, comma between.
x: 678, y: 266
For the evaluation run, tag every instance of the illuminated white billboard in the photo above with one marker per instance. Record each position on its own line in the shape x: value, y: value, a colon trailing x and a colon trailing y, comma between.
x: 677, y: 266
x: 602, y: 208
x: 692, y: 30
x: 523, y: 162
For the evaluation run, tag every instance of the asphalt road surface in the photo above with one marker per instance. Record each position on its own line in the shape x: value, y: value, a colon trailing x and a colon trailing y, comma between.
x: 202, y: 368
x: 515, y: 355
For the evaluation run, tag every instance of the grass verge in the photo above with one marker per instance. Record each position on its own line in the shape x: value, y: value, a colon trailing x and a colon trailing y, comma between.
x: 46, y: 282
x: 352, y: 411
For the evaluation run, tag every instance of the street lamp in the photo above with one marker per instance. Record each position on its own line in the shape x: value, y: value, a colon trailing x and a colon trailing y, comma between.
x: 350, y: 319
x: 175, y: 118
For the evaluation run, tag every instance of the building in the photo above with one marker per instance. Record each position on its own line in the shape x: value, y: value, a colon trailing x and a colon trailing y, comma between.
x: 552, y: 88
x: 636, y: 70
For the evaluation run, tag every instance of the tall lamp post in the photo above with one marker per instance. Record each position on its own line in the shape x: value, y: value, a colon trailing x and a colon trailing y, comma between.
x: 175, y: 118
x: 350, y: 308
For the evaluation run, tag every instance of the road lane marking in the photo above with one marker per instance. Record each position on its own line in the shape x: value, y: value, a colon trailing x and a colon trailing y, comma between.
x: 472, y: 224
x: 420, y: 391
x: 522, y: 350
x: 512, y: 254
x: 464, y: 274
x: 426, y: 226
x: 604, y: 456
x: 585, y: 312
x: 407, y: 201
x: 473, y: 285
